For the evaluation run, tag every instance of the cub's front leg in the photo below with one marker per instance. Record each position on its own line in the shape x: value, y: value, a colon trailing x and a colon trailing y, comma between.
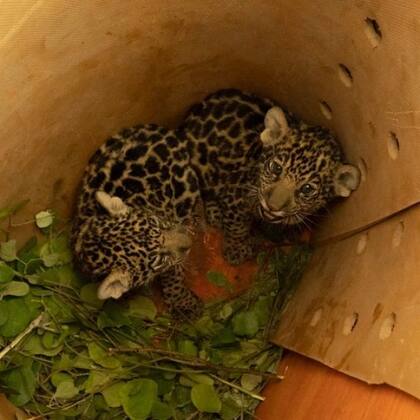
x: 238, y: 245
x: 179, y: 299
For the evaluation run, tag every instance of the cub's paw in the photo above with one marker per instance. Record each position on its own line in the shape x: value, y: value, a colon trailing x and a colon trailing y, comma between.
x: 184, y: 304
x: 236, y: 252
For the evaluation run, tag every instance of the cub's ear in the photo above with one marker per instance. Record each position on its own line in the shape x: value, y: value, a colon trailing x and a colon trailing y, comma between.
x: 346, y: 180
x: 276, y: 126
x: 113, y: 205
x: 114, y: 285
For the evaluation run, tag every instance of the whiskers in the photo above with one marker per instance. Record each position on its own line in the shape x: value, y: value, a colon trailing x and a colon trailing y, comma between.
x: 252, y: 190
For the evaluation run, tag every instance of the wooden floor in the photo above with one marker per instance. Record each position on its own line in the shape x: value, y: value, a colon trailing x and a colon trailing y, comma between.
x: 311, y: 391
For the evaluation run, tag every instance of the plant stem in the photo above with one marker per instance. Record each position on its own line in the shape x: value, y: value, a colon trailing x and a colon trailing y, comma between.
x: 193, y: 362
x: 239, y: 388
x: 34, y: 324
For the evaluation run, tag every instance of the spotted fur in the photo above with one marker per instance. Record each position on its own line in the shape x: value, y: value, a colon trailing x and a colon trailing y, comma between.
x: 144, y: 171
x: 254, y: 160
x: 239, y: 154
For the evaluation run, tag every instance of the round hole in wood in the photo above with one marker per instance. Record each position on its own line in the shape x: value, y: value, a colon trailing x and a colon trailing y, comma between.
x: 388, y: 326
x: 316, y: 317
x: 362, y: 244
x: 393, y: 145
x: 350, y: 323
x: 345, y: 75
x: 373, y: 31
x: 397, y: 235
x: 363, y: 169
x: 326, y: 110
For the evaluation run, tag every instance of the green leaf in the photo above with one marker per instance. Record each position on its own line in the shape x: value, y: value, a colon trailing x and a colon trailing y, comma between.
x: 101, y: 357
x: 138, y: 398
x: 112, y: 394
x: 205, y: 326
x: 6, y: 273
x: 226, y: 311
x: 219, y: 280
x: 187, y: 347
x: 66, y: 390
x: 58, y: 309
x: 161, y: 411
x: 4, y: 313
x: 63, y: 275
x: 165, y: 386
x: 230, y: 410
x: 199, y: 378
x: 14, y: 288
x: 142, y: 307
x: 112, y: 315
x: 184, y: 381
x: 8, y: 250
x: 245, y: 324
x: 89, y: 295
x: 33, y: 345
x: 58, y: 377
x: 19, y: 317
x: 6, y: 212
x: 50, y: 340
x: 182, y: 396
x: 225, y: 337
x: 250, y: 382
x: 65, y: 362
x: 205, y: 398
x: 43, y: 219
x: 262, y: 309
x: 96, y: 380
x: 22, y: 383
x: 56, y: 252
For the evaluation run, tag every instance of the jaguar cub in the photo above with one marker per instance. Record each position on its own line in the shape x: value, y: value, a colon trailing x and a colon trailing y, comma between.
x: 254, y: 160
x: 241, y: 155
x: 138, y: 196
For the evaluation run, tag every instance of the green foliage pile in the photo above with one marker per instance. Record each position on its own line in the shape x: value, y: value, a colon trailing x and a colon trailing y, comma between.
x: 66, y: 355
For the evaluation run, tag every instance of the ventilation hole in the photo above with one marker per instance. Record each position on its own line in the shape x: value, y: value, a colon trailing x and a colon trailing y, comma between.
x: 393, y: 145
x: 326, y: 110
x: 316, y: 317
x: 363, y: 169
x: 345, y: 75
x: 397, y: 236
x: 373, y: 32
x: 388, y: 326
x: 350, y: 323
x: 372, y: 128
x: 362, y: 244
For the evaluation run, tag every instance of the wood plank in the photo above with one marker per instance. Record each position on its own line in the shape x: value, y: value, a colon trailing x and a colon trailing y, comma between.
x: 311, y: 390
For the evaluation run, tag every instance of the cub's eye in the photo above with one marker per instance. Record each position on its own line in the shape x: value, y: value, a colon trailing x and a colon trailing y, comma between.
x: 308, y: 190
x: 275, y: 167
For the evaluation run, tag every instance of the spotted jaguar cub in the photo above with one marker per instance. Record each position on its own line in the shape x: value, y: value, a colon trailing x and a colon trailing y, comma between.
x: 138, y: 196
x: 256, y: 161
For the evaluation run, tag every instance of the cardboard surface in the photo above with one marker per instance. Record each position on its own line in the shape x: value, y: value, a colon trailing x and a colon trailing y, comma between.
x: 9, y: 412
x: 358, y: 305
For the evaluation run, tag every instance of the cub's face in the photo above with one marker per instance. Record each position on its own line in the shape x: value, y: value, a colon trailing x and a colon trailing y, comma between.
x: 126, y: 248
x: 300, y: 171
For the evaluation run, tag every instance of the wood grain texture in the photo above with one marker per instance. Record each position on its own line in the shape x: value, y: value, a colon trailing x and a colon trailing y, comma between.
x: 311, y: 391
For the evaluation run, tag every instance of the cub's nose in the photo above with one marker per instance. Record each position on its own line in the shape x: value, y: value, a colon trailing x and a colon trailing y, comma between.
x: 278, y: 198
